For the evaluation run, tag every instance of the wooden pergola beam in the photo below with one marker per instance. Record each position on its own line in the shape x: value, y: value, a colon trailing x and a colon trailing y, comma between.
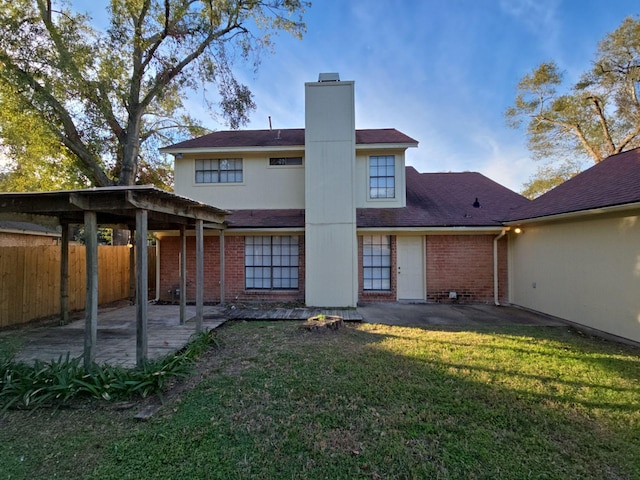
x: 147, y: 207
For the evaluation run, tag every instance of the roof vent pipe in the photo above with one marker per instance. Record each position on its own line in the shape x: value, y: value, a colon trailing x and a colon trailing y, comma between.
x: 329, y: 77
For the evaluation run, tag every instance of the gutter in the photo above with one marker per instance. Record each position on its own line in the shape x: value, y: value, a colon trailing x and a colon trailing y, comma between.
x: 495, y: 265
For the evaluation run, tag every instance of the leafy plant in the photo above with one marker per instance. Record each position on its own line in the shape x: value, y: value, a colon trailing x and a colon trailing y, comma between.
x: 59, y: 381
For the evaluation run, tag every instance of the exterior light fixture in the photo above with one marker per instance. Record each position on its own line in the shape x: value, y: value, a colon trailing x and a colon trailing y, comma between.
x: 178, y: 156
x: 517, y: 230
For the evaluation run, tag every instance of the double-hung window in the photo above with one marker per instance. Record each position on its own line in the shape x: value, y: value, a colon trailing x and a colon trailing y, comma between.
x: 271, y: 263
x: 382, y: 176
x: 219, y: 170
x: 376, y: 262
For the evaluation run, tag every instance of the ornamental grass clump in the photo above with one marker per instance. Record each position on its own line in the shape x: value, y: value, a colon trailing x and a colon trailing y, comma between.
x: 60, y: 381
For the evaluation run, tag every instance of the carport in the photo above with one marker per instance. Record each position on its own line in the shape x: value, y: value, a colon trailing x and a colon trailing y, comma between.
x: 139, y: 209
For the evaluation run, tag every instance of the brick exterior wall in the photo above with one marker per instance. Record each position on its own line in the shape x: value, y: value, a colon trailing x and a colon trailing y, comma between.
x: 234, y: 272
x: 464, y: 264
x: 460, y: 263
x: 367, y: 296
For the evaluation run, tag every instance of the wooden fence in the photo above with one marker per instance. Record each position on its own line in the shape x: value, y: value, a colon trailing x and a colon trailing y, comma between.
x: 30, y: 280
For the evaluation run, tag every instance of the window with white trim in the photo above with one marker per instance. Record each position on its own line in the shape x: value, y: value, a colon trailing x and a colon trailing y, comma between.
x: 219, y: 170
x: 382, y: 176
x: 271, y: 263
x: 285, y: 161
x: 376, y: 262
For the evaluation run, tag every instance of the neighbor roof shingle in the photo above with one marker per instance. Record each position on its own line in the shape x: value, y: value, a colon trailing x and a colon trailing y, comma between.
x: 613, y: 181
x: 288, y: 137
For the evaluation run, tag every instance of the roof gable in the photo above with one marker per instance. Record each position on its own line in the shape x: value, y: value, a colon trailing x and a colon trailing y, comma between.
x: 611, y: 182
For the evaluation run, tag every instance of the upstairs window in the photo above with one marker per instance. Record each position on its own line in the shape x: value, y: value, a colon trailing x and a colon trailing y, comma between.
x: 285, y: 161
x: 382, y: 176
x: 222, y: 170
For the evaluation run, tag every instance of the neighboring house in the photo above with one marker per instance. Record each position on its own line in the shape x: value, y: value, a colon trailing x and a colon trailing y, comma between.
x: 331, y: 216
x: 26, y: 234
x: 578, y: 256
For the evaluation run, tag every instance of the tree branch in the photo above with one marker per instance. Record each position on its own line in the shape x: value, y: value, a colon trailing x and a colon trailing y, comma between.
x: 597, y: 104
x: 577, y: 131
x: 71, y: 137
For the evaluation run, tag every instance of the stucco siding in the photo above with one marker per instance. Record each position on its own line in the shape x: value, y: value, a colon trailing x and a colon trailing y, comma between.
x: 362, y: 180
x: 585, y: 271
x: 263, y: 186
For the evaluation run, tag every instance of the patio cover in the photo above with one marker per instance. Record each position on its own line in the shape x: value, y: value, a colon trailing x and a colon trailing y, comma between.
x: 139, y: 208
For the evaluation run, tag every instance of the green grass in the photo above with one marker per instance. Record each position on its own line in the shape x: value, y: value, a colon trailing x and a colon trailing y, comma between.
x: 367, y: 401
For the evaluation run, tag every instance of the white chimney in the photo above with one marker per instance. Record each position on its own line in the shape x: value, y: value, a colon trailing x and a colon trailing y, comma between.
x: 330, y: 214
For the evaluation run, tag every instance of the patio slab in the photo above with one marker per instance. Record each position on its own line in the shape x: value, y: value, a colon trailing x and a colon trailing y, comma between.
x: 469, y: 315
x: 116, y: 341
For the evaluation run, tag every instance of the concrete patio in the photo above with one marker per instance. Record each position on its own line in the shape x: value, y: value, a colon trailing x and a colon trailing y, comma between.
x: 116, y: 343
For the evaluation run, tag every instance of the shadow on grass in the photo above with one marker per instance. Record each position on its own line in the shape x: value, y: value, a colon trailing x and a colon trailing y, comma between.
x: 389, y: 402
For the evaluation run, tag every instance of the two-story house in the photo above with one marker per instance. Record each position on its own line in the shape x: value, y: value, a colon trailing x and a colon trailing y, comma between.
x: 331, y: 216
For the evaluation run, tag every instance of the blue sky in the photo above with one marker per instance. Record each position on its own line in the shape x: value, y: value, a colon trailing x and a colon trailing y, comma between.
x: 441, y: 71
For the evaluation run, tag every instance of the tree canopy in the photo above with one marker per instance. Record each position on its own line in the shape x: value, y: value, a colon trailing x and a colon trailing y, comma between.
x: 596, y: 117
x: 75, y: 97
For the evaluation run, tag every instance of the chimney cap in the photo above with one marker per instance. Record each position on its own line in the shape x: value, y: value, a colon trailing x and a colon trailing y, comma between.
x: 329, y: 77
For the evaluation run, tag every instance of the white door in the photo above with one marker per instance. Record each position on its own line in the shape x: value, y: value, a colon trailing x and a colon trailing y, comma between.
x: 411, y: 267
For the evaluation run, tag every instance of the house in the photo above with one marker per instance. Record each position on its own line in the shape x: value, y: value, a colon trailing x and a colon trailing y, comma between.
x: 578, y: 256
x: 331, y: 216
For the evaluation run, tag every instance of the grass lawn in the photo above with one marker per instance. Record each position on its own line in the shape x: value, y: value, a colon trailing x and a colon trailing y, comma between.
x: 368, y: 401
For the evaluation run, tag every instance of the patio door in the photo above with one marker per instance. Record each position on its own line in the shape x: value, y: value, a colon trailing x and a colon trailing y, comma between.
x: 411, y: 268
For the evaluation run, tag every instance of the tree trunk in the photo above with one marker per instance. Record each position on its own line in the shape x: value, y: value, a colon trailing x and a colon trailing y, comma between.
x: 130, y: 151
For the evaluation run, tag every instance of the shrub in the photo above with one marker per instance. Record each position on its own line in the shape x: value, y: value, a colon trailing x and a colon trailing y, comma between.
x: 59, y: 381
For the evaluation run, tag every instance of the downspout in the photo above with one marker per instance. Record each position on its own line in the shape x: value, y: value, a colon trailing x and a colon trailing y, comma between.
x: 157, y: 299
x: 495, y: 265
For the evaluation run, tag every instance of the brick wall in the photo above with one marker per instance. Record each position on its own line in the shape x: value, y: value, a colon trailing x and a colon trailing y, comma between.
x: 460, y: 263
x: 464, y: 264
x: 234, y: 272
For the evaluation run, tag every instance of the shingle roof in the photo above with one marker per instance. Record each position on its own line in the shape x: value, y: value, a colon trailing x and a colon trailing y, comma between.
x: 446, y: 200
x: 613, y: 181
x: 433, y: 200
x: 285, y: 218
x: 289, y: 137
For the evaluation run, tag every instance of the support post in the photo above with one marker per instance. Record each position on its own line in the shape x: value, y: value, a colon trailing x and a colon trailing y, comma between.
x: 183, y: 275
x: 142, y: 287
x: 132, y: 266
x: 199, y: 274
x: 222, y: 300
x: 91, y: 306
x: 64, y: 276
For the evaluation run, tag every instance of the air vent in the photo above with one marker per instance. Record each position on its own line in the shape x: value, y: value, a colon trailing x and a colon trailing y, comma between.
x: 329, y: 77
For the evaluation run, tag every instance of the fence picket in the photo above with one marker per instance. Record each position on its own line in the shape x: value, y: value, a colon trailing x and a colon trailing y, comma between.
x: 30, y: 280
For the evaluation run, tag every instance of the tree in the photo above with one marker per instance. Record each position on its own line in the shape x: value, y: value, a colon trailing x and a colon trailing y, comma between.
x: 104, y: 100
x: 597, y: 117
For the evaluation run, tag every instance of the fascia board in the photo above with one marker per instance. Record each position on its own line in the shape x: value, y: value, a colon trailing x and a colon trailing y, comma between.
x: 275, y: 149
x: 431, y: 230
x: 578, y: 214
x: 385, y: 146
